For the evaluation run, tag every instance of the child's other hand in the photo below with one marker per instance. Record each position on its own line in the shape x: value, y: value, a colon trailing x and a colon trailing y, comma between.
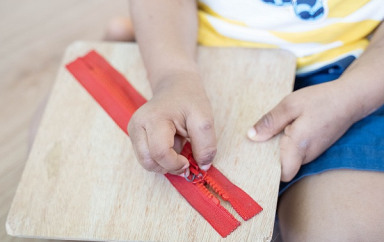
x: 179, y: 110
x: 312, y: 118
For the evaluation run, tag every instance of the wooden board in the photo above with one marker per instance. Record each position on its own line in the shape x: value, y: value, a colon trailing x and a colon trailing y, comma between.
x: 82, y: 181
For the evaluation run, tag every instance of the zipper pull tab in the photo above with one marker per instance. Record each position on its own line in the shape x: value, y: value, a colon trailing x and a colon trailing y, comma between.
x: 196, y: 175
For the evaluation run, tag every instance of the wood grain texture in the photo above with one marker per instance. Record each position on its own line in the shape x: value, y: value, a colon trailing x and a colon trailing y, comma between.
x: 82, y: 181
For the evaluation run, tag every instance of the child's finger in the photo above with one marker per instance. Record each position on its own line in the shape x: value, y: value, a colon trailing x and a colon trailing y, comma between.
x: 203, y: 140
x: 160, y: 138
x: 293, y: 151
x: 274, y: 121
x: 140, y: 146
x: 179, y: 142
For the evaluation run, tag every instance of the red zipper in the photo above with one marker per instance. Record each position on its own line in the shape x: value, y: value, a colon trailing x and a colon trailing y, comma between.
x: 120, y: 100
x: 107, y: 86
x: 208, y: 205
x: 243, y: 204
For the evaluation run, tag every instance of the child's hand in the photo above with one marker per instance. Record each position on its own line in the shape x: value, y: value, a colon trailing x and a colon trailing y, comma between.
x: 312, y: 118
x: 178, y: 110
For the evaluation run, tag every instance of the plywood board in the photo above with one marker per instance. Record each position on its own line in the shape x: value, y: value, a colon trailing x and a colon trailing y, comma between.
x: 82, y: 180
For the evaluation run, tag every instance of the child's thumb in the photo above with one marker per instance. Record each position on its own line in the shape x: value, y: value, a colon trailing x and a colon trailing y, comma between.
x: 271, y: 123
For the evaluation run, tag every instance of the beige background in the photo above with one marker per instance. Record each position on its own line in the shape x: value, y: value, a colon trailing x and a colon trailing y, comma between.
x: 33, y: 38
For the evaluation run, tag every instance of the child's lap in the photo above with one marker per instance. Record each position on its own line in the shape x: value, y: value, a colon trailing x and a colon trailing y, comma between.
x: 360, y: 148
x: 334, y: 206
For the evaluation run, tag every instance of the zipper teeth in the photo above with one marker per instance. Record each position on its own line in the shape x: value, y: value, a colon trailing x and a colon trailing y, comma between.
x: 207, y: 205
x: 243, y: 204
x: 217, y: 188
x: 119, y: 99
x: 226, y: 197
x: 206, y: 192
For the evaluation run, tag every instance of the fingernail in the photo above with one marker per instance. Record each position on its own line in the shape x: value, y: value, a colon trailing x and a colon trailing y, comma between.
x: 185, y: 173
x: 251, y: 133
x: 205, y: 167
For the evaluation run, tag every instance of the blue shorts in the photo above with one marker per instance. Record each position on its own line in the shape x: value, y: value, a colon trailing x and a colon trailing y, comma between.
x: 361, y: 147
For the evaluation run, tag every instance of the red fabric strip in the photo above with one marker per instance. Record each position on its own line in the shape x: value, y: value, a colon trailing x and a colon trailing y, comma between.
x: 115, y: 77
x: 244, y: 205
x: 108, y: 87
x: 120, y: 100
x: 215, y: 214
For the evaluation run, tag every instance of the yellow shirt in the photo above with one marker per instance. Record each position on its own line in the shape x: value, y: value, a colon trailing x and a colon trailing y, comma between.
x: 318, y: 32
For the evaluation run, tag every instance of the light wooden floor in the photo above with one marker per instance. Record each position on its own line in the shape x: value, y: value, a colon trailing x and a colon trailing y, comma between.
x: 33, y: 38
